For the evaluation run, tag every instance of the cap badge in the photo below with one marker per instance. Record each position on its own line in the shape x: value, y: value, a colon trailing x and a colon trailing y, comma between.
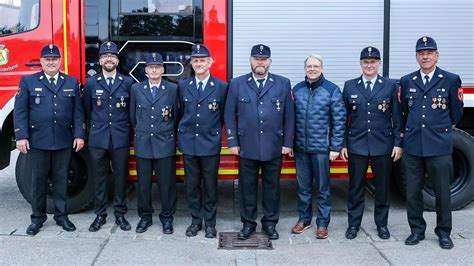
x: 154, y: 56
x: 425, y: 40
x: 198, y: 47
x: 370, y: 50
x: 50, y: 48
x: 108, y: 45
x: 261, y: 48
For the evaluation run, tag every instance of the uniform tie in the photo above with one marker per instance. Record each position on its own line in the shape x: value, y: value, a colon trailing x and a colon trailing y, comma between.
x: 200, y: 88
x: 260, y: 84
x: 154, y: 91
x: 368, y: 88
x: 427, y: 80
x: 51, y: 80
x: 110, y: 81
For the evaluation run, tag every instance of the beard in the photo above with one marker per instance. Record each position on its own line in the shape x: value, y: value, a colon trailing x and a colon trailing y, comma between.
x: 260, y: 70
x: 109, y: 68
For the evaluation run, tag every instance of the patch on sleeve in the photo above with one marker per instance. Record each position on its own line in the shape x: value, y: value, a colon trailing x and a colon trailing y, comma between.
x: 460, y: 94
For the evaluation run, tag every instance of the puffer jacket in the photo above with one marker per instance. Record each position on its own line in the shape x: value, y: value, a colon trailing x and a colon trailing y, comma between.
x: 320, y: 116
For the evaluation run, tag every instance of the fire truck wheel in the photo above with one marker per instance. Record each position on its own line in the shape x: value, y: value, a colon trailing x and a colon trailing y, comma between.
x: 462, y: 185
x: 80, y: 186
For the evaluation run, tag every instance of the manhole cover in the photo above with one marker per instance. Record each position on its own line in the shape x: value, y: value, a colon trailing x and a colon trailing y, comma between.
x: 229, y: 240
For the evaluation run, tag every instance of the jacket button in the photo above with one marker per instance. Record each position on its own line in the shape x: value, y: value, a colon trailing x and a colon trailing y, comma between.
x: 423, y: 116
x: 197, y: 135
x: 151, y: 125
x: 424, y: 106
x: 368, y: 103
x: 368, y: 121
x: 368, y: 129
x: 261, y: 131
x: 368, y: 113
x: 152, y: 117
x: 110, y: 123
x: 153, y: 108
x: 197, y: 125
x: 151, y: 134
x: 197, y: 115
x: 199, y: 105
x: 422, y: 125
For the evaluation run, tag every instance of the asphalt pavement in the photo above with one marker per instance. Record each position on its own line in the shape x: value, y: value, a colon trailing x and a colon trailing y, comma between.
x: 110, y: 245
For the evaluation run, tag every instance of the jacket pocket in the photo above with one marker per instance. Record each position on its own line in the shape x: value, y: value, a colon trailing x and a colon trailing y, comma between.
x: 215, y: 131
x: 68, y: 92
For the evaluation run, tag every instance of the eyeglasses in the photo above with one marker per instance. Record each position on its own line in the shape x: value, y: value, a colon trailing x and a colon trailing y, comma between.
x: 108, y: 56
x: 313, y: 67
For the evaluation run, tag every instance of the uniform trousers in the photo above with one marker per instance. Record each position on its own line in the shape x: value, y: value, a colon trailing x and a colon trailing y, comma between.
x: 202, y: 199
x: 101, y: 160
x: 381, y: 169
x: 55, y: 165
x: 248, y: 191
x: 165, y: 172
x: 440, y: 173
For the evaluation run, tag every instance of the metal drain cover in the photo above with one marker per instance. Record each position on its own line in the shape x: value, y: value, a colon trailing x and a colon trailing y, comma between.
x: 229, y: 240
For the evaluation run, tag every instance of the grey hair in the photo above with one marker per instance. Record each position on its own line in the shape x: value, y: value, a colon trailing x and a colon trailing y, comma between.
x: 314, y: 56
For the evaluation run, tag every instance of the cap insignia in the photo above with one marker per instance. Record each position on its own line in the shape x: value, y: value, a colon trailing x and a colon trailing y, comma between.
x: 425, y: 40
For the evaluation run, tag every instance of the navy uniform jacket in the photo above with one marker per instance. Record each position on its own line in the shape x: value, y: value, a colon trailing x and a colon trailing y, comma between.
x: 260, y: 124
x: 154, y: 120
x: 430, y: 112
x: 199, y: 129
x: 49, y: 117
x: 374, y: 121
x: 107, y: 110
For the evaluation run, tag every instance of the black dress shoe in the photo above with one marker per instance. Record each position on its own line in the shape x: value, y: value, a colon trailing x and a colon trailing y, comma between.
x: 211, y: 232
x: 414, y: 239
x: 67, y: 225
x: 123, y: 223
x: 143, y: 225
x: 383, y: 232
x: 245, y: 233
x: 33, y: 229
x: 271, y: 232
x: 193, y: 229
x: 446, y: 242
x: 168, y: 228
x: 97, y: 223
x: 351, y: 232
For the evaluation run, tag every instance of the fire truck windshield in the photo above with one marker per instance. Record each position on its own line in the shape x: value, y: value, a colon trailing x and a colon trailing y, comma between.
x: 18, y: 16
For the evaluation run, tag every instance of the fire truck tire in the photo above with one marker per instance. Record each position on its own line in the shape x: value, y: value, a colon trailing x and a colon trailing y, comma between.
x: 80, y: 189
x: 462, y: 185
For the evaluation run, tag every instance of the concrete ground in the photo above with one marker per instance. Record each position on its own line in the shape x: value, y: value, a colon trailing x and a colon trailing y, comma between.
x: 112, y: 246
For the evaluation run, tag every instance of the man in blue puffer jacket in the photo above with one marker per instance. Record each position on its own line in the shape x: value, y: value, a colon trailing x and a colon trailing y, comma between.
x: 319, y: 134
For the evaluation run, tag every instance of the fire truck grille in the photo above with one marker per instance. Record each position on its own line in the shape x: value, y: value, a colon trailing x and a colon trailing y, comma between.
x: 229, y: 240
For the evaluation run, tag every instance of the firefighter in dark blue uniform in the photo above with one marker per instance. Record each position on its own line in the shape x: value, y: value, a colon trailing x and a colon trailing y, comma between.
x: 432, y: 100
x: 259, y: 117
x: 49, y: 121
x: 153, y: 114
x: 202, y: 100
x: 373, y: 134
x: 106, y: 101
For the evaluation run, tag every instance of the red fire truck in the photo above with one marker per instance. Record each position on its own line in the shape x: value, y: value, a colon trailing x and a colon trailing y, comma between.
x: 338, y: 30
